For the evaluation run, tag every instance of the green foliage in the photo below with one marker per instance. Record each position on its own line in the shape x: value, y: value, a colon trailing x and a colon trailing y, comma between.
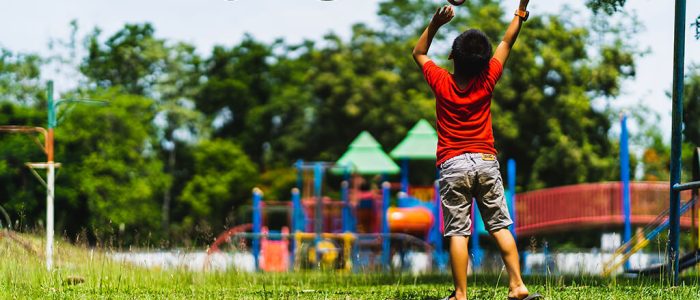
x: 110, y: 172
x: 128, y: 59
x: 20, y: 193
x: 238, y: 80
x: 223, y: 178
x: 607, y: 6
x: 691, y: 107
x: 19, y: 77
x: 277, y: 184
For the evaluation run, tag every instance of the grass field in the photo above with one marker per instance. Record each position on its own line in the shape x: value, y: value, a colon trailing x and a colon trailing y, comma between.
x: 83, y: 273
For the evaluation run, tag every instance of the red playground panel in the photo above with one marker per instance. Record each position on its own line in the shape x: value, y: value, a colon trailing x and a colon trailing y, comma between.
x: 274, y: 255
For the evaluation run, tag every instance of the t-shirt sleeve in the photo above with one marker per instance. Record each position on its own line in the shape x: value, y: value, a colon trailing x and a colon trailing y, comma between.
x: 433, y: 74
x: 494, y: 73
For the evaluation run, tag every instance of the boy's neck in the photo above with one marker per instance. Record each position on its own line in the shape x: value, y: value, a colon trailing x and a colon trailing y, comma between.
x: 459, y: 76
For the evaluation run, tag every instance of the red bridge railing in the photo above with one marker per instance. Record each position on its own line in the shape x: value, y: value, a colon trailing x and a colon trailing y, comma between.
x: 591, y: 205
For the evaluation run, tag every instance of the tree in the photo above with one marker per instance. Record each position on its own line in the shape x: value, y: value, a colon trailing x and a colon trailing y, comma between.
x: 223, y: 179
x: 19, y: 78
x: 237, y: 80
x: 691, y: 109
x: 20, y: 193
x: 135, y: 61
x: 110, y: 176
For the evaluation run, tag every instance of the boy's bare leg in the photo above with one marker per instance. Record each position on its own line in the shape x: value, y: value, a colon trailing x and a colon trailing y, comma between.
x: 459, y: 260
x: 509, y: 253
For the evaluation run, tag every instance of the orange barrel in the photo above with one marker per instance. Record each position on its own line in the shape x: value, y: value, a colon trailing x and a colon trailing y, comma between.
x: 410, y: 219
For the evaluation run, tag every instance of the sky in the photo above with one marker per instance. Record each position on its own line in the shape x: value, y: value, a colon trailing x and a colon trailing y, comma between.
x: 28, y: 25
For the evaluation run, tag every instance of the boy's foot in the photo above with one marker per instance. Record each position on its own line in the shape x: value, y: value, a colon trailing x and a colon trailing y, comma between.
x: 529, y: 297
x: 451, y: 296
x: 520, y: 292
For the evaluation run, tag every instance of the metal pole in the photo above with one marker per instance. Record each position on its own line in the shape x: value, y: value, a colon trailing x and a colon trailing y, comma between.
x: 625, y: 178
x: 475, y: 242
x: 318, y: 215
x: 676, y: 138
x: 437, y: 235
x: 347, y: 213
x: 511, y: 192
x: 404, y: 175
x: 386, y: 197
x: 257, y: 224
x: 300, y: 174
x: 49, y: 215
x: 297, y: 221
x: 50, y: 177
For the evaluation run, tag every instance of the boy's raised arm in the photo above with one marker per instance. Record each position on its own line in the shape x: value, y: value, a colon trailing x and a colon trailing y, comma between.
x: 503, y: 49
x: 442, y: 16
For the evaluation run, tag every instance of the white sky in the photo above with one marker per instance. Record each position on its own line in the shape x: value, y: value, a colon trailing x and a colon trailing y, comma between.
x: 28, y: 25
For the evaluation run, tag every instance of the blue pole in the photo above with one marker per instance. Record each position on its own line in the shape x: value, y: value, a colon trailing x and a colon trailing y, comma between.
x: 475, y: 240
x: 300, y: 173
x: 318, y: 215
x: 511, y: 192
x: 625, y: 178
x: 347, y: 214
x: 297, y: 211
x: 386, y: 197
x: 297, y: 222
x: 436, y: 234
x: 404, y: 176
x: 257, y: 224
x: 676, y: 138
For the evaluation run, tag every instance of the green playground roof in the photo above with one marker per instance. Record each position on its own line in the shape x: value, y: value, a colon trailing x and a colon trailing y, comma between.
x: 419, y: 143
x: 366, y: 157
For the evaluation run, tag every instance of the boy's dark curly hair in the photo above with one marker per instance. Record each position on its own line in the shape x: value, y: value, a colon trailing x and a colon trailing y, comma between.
x: 471, y: 52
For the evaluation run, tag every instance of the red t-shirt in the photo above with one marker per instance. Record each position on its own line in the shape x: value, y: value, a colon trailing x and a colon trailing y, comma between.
x: 463, y: 115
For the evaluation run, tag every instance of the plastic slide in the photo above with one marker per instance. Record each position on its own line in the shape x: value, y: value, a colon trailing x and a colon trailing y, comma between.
x: 410, y: 219
x: 274, y: 254
x: 637, y: 243
x: 685, y: 262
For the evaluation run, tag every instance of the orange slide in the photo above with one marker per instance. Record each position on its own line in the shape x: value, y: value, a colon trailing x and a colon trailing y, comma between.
x: 410, y: 219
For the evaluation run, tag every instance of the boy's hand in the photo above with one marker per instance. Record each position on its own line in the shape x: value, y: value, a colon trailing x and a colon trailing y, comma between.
x: 444, y: 15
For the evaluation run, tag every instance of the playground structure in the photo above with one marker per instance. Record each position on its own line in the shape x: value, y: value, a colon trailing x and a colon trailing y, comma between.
x: 656, y: 226
x: 361, y: 231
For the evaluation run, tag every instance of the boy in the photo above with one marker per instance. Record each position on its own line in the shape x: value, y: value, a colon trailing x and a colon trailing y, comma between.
x: 466, y: 155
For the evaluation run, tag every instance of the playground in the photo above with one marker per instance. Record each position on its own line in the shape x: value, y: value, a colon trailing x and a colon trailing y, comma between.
x: 139, y: 163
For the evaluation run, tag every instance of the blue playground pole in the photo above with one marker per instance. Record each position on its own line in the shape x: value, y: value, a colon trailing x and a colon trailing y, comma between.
x: 676, y: 140
x: 257, y: 224
x: 404, y: 176
x: 436, y: 235
x: 348, y: 222
x: 625, y: 178
x: 477, y: 252
x: 511, y: 192
x: 318, y: 215
x: 300, y: 173
x: 386, y: 197
x: 297, y: 222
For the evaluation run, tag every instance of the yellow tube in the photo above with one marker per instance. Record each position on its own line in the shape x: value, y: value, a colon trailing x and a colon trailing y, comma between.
x: 642, y: 243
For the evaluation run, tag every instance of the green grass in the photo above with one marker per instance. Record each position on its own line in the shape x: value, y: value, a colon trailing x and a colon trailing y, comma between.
x: 22, y: 275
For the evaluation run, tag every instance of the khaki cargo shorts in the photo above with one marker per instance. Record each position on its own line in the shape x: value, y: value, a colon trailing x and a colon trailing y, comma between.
x: 472, y: 176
